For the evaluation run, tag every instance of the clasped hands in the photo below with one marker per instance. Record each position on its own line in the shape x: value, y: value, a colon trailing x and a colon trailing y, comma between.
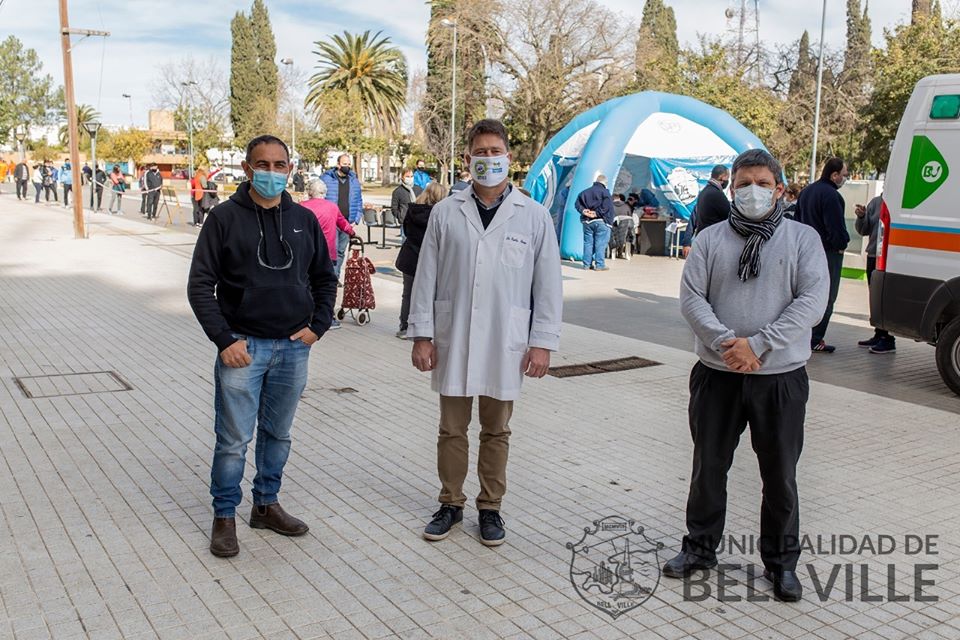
x: 739, y: 357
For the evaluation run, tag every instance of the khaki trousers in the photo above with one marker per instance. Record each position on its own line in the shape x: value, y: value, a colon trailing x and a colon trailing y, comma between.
x: 453, y: 448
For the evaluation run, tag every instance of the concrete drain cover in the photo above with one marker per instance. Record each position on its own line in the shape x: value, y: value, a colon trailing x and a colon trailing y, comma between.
x: 602, y: 366
x: 71, y: 384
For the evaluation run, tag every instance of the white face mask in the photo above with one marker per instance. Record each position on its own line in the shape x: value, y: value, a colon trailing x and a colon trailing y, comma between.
x: 408, y: 182
x: 490, y: 171
x: 753, y: 201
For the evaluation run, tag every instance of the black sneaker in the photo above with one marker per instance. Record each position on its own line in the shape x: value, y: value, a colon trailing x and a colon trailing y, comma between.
x: 443, y: 520
x: 872, y: 342
x: 491, y: 528
x: 822, y: 347
x: 884, y: 345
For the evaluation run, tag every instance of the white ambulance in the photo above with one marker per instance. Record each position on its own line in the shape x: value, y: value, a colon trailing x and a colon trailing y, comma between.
x: 915, y: 290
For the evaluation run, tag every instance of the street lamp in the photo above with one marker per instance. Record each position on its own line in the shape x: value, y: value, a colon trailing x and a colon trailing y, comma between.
x: 20, y: 133
x: 293, y: 118
x: 452, y: 24
x: 92, y: 127
x: 816, y: 113
x: 188, y: 84
x: 130, y: 101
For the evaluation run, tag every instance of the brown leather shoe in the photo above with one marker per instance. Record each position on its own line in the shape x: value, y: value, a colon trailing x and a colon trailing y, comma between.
x: 273, y: 517
x: 223, y: 539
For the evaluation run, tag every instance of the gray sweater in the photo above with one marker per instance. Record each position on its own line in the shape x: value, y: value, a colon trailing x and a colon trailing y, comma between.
x: 869, y: 225
x: 774, y: 311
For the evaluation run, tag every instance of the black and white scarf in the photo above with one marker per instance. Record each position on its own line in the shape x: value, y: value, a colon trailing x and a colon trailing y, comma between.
x: 757, y: 233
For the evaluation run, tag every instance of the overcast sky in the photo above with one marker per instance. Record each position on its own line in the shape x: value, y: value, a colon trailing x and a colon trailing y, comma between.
x: 145, y: 33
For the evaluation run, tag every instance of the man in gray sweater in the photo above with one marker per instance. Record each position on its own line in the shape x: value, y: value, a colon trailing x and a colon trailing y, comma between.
x: 752, y: 289
x: 868, y: 224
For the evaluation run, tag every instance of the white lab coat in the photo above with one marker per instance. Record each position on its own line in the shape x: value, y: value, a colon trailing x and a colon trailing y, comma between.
x: 487, y: 295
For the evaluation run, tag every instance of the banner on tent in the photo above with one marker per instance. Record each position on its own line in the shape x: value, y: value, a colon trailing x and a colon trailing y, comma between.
x: 680, y: 180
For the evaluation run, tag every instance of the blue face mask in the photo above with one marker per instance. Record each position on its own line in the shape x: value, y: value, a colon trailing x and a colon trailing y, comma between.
x: 269, y: 184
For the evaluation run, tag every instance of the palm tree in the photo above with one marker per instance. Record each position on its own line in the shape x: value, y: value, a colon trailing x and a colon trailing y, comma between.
x: 85, y: 113
x: 369, y: 70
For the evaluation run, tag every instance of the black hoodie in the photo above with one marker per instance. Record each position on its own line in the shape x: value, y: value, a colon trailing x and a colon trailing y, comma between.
x: 232, y: 293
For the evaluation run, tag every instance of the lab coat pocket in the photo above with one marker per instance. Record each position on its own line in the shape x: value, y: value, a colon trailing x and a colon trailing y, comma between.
x: 442, y: 321
x: 519, y: 330
x: 514, y: 251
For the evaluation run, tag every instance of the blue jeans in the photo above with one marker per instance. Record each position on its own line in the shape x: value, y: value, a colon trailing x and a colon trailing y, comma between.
x: 596, y: 236
x: 262, y: 395
x: 343, y: 241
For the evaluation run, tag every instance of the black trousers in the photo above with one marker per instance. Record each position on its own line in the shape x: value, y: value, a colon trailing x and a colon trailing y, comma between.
x: 153, y: 198
x: 22, y: 189
x: 143, y: 202
x: 722, y: 403
x: 835, y: 269
x: 871, y: 267
x: 49, y: 189
x: 405, y: 301
x: 99, y: 191
x: 66, y: 194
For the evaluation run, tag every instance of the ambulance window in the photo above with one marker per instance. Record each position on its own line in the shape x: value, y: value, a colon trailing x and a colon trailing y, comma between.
x: 945, y: 108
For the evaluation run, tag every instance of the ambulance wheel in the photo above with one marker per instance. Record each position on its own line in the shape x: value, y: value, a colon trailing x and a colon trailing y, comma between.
x: 363, y: 318
x: 341, y: 314
x: 948, y: 355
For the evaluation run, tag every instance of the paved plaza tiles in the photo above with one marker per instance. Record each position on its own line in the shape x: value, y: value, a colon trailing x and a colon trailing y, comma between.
x: 104, y: 510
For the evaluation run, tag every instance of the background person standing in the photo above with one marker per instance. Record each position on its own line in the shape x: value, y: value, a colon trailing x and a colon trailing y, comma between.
x: 868, y: 224
x: 21, y: 176
x: 821, y: 206
x: 403, y: 195
x: 420, y: 177
x: 414, y: 228
x: 154, y: 182
x: 66, y: 179
x: 344, y: 190
x: 712, y: 205
x: 596, y: 214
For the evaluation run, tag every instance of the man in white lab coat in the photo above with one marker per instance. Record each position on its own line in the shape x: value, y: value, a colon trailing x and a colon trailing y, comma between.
x: 486, y: 309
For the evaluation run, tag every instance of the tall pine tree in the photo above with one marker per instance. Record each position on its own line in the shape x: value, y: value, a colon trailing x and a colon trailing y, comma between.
x: 266, y: 48
x: 657, y: 48
x: 254, y: 83
x: 856, y: 60
x: 244, y: 83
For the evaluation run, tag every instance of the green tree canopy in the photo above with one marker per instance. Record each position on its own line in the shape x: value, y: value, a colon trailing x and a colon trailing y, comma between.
x: 27, y: 95
x: 925, y: 47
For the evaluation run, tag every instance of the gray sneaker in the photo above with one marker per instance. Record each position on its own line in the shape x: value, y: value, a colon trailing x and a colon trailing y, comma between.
x: 402, y: 334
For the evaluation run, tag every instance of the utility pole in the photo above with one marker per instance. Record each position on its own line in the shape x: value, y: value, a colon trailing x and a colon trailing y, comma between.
x: 65, y: 32
x: 816, y: 113
x: 293, y: 113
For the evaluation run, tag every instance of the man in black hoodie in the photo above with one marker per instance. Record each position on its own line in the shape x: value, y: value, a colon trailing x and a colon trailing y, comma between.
x: 821, y: 206
x: 263, y: 288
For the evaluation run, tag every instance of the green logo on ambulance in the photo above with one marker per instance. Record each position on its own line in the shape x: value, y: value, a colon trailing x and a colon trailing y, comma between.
x: 926, y: 172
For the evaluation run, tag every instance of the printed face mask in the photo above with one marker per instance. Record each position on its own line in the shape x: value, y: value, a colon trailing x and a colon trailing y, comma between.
x: 753, y: 201
x: 269, y: 184
x: 489, y: 171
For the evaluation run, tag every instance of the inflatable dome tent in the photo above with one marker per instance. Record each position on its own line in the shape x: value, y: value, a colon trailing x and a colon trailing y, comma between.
x: 658, y: 141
